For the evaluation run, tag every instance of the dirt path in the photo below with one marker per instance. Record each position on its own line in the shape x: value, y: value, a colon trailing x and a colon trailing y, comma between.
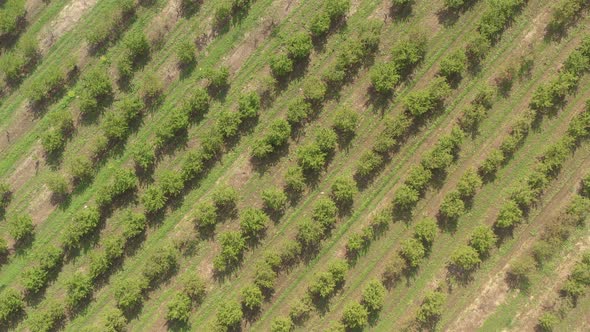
x: 65, y: 21
x: 23, y: 122
x: 33, y: 7
x: 27, y: 169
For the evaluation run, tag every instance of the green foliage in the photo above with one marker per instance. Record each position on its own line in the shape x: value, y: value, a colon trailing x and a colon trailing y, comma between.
x: 454, y: 4
x: 281, y: 324
x: 11, y: 303
x: 218, y: 78
x: 135, y: 47
x: 128, y: 292
x: 482, y: 240
x: 299, y: 45
x: 186, y: 53
x: 5, y: 195
x: 95, y: 86
x: 12, y: 65
x: 496, y: 18
x: 444, y: 152
x: 311, y: 158
x: 337, y: 8
x: 419, y: 178
x: 277, y: 136
x: 249, y: 105
x: 79, y: 288
x: 578, y: 210
x: 123, y: 181
x: 424, y: 101
x: 133, y: 224
x: 356, y: 242
x: 326, y: 140
x: 431, y: 307
x: 309, y: 233
x: 229, y: 315
x: 179, y: 308
x: 35, y: 277
x: 225, y: 198
x: 143, y: 155
x: 314, y: 89
x: 229, y: 123
x: 171, y: 183
x: 369, y: 163
x: 520, y: 270
x: 298, y: 110
x: 11, y: 13
x: 324, y: 212
x: 580, y: 277
x: 83, y: 223
x: 20, y: 227
x: 114, y: 320
x: 468, y: 184
x: 425, y: 231
x: 54, y: 139
x: 58, y: 184
x: 355, y: 316
x: 325, y: 284
x: 300, y: 309
x: 408, y: 53
x: 406, y: 198
x: 252, y: 298
x: 492, y: 163
x: 576, y: 63
x: 412, y: 250
x: 373, y: 296
x: 510, y: 215
x: 153, y: 199
x: 281, y: 65
x: 471, y: 117
x: 48, y: 318
x: 290, y: 252
x: 384, y: 77
x: 3, y: 250
x: 294, y: 179
x: 46, y: 86
x: 197, y: 103
x: 395, y: 128
x: 222, y: 14
x: 477, y: 48
x: 452, y: 206
x: 192, y: 165
x: 253, y: 223
x: 194, y: 287
x: 233, y: 245
x: 115, y: 126
x: 453, y: 65
x: 343, y: 190
x: 547, y: 322
x: 565, y: 13
x: 171, y: 127
x: 465, y: 258
x: 320, y: 24
x: 205, y: 215
x: 160, y: 264
x: 151, y: 87
x: 81, y: 168
x: 274, y: 199
x: 345, y: 122
x: 549, y: 95
x: 265, y: 277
